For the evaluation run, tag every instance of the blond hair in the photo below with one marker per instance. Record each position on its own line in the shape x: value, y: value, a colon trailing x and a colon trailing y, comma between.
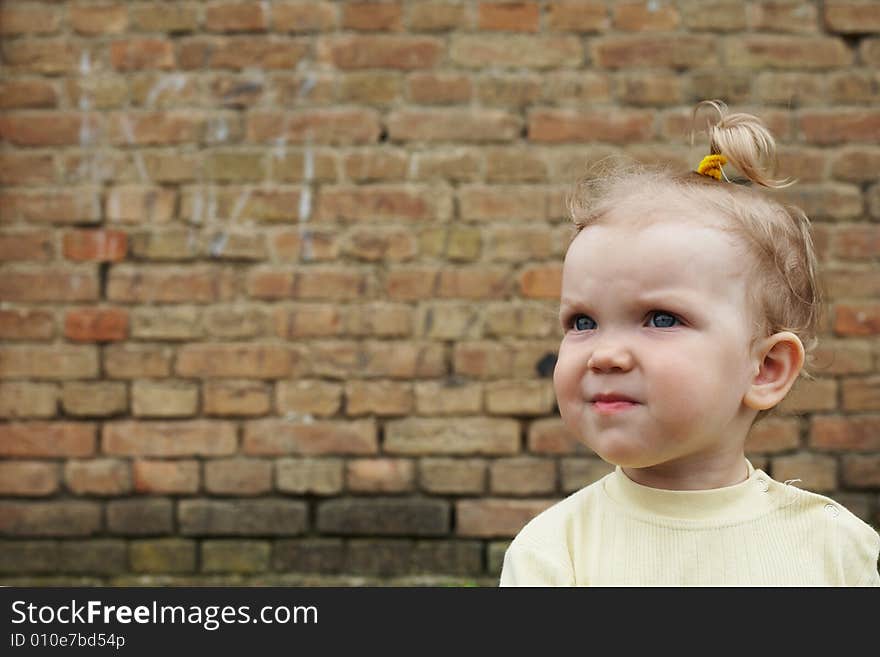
x: 783, y: 287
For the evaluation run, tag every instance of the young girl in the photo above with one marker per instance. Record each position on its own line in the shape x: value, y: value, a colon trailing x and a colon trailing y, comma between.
x: 689, y: 304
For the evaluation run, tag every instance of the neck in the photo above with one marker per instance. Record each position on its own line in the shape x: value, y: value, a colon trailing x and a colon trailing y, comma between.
x: 694, y: 473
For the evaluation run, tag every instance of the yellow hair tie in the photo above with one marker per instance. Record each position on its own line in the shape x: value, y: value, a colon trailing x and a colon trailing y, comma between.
x: 711, y: 166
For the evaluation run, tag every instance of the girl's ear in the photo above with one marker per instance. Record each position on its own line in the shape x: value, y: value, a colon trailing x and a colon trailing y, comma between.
x: 780, y: 358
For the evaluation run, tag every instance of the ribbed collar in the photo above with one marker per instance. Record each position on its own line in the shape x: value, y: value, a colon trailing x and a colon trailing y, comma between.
x: 745, y: 500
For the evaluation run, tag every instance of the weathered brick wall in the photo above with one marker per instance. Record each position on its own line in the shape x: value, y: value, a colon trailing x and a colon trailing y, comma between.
x: 279, y: 278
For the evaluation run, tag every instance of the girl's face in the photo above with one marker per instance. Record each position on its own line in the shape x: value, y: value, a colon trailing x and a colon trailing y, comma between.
x: 658, y: 315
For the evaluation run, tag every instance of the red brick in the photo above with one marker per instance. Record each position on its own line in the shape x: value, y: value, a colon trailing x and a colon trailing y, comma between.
x: 25, y: 324
x: 140, y: 54
x: 516, y: 51
x: 236, y: 17
x: 816, y: 472
x: 551, y: 436
x: 169, y: 284
x: 370, y: 165
x: 509, y: 16
x: 241, y: 52
x: 96, y: 324
x: 98, y: 477
x: 856, y: 319
x: 28, y: 478
x: 765, y: 51
x: 541, y: 281
x: 459, y: 125
x: 328, y: 126
x: 33, y: 19
x: 390, y: 52
x: 93, y: 20
x: 851, y: 16
x: 431, y: 16
x: 48, y: 284
x: 840, y: 126
x: 775, y: 16
x: 452, y: 476
x: 277, y: 437
x: 95, y: 245
x: 566, y: 126
x: 644, y: 17
x: 169, y: 438
x: 858, y: 433
x: 21, y: 399
x: 855, y: 242
x: 165, y: 17
x: 62, y: 205
x: 237, y: 360
x: 34, y: 245
x: 773, y: 435
x: 381, y: 398
x: 490, y: 518
x: 451, y: 435
x: 311, y: 16
x: 165, y: 477
x: 156, y: 128
x: 311, y: 283
x: 667, y: 51
x: 522, y: 475
x: 502, y: 203
x: 135, y: 361
x: 372, y: 16
x: 242, y: 398
x: 58, y: 518
x: 577, y: 16
x: 380, y: 475
x: 439, y: 88
x: 861, y: 471
x: 238, y: 476
x: 42, y: 56
x: 21, y: 94
x: 861, y: 394
x: 47, y: 439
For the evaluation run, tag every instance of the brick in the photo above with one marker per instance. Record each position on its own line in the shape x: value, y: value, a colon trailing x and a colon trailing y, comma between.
x: 231, y: 556
x: 140, y: 204
x: 434, y: 16
x: 241, y: 52
x: 446, y: 476
x: 171, y: 323
x: 49, y: 284
x: 236, y: 322
x: 522, y: 475
x: 807, y: 165
x: 733, y: 85
x: 449, y: 397
x: 555, y: 126
x: 106, y: 477
x: 806, y: 396
x: 96, y: 324
x: 309, y: 476
x: 493, y: 360
x: 25, y: 168
x: 477, y: 282
x: 375, y: 88
x: 372, y: 16
x: 46, y: 129
x: 94, y: 399
x: 577, y: 16
x: 329, y: 126
x: 714, y: 15
x: 235, y: 398
x: 842, y: 357
x: 164, y: 398
x: 512, y: 165
x: 508, y: 16
x: 647, y: 90
x: 379, y: 319
x: 511, y: 90
x: 93, y: 557
x: 34, y: 245
x: 46, y: 439
x: 390, y: 52
x: 20, y: 399
x: 851, y: 16
x: 384, y: 517
x: 170, y: 284
x: 861, y: 394
x: 384, y: 203
x: 665, y: 51
x: 241, y: 203
x: 380, y: 475
x: 840, y: 126
x: 490, y: 518
x: 380, y: 244
x: 63, y: 206
x: 551, y: 436
x: 458, y: 164
x: 309, y: 555
x: 817, y: 473
x: 235, y: 166
x: 134, y: 361
x: 236, y: 17
x: 855, y: 242
x: 169, y: 438
x: 178, y: 477
x: 238, y: 476
x: 233, y: 360
x: 541, y: 281
x: 269, y: 517
x: 29, y: 20
x: 644, y: 17
x: 773, y: 435
x: 452, y: 125
x: 845, y: 433
x: 453, y: 435
x: 378, y: 359
x: 32, y: 557
x: 166, y: 555
x: 861, y: 471
x: 43, y: 56
x: 21, y: 94
x: 306, y: 397
x: 454, y: 243
x: 141, y: 54
x: 830, y: 201
x: 93, y: 20
x: 140, y: 517
x: 869, y: 51
x: 276, y: 437
x: 321, y: 283
x: 577, y: 473
x: 58, y: 362
x: 410, y: 284
x: 515, y: 51
x: 303, y: 16
x: 380, y: 398
x: 762, y: 52
x: 95, y: 245
x: 398, y: 557
x: 856, y: 319
x: 28, y: 478
x: 156, y: 128
x: 783, y: 17
x: 853, y: 88
x: 448, y: 321
x: 533, y: 319
x: 456, y: 557
x: 370, y: 165
x: 520, y: 398
x: 57, y: 518
x: 439, y: 88
x: 26, y: 324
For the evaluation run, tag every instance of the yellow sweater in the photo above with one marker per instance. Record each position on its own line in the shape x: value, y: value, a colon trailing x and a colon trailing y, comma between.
x: 760, y: 532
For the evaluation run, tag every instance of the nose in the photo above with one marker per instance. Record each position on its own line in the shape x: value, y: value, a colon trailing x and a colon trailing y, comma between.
x: 610, y: 357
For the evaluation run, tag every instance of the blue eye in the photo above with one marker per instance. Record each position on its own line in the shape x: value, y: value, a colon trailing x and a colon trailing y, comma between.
x: 666, y: 320
x: 583, y: 323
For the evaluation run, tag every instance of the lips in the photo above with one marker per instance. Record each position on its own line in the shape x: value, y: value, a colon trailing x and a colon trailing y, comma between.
x: 612, y: 397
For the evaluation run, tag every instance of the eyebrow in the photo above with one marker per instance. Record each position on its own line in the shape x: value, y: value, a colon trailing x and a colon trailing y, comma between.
x: 674, y: 298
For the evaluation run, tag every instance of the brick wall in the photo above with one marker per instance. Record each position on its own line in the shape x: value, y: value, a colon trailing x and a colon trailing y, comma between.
x: 279, y: 278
